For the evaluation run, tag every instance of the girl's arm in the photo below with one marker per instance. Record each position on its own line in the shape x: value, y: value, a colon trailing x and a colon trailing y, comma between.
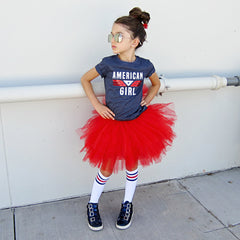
x: 86, y: 79
x: 153, y: 90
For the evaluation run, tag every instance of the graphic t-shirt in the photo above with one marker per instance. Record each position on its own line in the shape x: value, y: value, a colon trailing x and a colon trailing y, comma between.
x: 123, y: 85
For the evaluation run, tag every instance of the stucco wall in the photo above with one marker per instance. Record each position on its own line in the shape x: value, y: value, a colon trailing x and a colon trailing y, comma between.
x: 48, y: 42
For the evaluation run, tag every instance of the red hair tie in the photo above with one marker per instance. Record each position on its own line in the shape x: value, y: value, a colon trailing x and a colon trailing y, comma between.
x: 145, y: 25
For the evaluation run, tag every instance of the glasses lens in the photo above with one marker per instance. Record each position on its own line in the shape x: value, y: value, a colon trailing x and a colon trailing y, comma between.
x: 118, y: 37
x: 110, y: 37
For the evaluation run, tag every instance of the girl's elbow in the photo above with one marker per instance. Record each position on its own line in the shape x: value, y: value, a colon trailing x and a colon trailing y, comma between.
x: 157, y: 84
x: 83, y: 80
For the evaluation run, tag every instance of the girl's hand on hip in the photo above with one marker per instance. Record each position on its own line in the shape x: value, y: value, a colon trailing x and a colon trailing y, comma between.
x: 144, y: 103
x: 104, y: 111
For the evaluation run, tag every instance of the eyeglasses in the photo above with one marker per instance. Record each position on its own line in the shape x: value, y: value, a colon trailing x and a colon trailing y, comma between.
x: 118, y: 37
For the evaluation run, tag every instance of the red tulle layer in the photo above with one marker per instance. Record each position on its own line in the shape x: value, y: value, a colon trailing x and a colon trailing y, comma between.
x: 118, y: 144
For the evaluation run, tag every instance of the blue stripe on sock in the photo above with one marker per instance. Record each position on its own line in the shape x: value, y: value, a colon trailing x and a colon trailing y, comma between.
x: 132, y: 180
x: 132, y: 173
x: 102, y: 178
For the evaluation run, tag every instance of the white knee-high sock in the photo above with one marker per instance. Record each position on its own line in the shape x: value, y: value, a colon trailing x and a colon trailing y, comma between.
x: 131, y: 183
x: 98, y: 186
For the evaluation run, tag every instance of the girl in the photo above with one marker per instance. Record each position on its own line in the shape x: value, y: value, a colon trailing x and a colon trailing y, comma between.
x: 125, y: 131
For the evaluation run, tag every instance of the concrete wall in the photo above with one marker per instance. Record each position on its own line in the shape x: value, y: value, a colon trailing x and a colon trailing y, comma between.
x: 48, y: 42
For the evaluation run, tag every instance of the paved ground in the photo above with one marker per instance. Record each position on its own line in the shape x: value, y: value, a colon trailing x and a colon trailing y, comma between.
x: 202, y: 208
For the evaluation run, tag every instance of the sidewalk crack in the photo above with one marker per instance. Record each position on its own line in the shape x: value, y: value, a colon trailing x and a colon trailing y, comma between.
x: 14, y: 223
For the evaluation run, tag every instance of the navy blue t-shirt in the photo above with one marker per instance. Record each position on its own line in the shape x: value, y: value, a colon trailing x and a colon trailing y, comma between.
x: 123, y: 85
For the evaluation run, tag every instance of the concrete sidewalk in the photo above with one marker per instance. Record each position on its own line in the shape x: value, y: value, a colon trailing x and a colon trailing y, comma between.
x: 202, y: 208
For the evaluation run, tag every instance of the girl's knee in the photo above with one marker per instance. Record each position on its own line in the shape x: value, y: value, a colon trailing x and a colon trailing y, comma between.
x: 106, y: 172
x: 132, y: 167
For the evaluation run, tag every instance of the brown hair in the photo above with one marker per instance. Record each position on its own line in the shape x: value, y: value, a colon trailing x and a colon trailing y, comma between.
x: 134, y: 23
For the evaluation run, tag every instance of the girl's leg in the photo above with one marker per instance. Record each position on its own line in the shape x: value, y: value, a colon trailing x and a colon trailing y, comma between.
x: 125, y: 216
x: 131, y: 181
x: 94, y: 219
x: 99, y: 183
x: 98, y: 186
x: 130, y: 186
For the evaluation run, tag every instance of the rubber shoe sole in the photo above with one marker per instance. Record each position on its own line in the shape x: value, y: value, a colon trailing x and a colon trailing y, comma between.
x: 95, y: 228
x: 126, y: 226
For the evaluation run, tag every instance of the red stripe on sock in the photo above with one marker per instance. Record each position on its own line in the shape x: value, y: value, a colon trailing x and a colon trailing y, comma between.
x: 132, y: 177
x: 100, y: 180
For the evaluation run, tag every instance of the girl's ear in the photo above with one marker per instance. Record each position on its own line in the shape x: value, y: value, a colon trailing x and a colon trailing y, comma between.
x: 135, y: 42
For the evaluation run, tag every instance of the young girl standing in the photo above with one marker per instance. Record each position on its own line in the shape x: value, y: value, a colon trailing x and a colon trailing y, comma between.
x: 126, y: 131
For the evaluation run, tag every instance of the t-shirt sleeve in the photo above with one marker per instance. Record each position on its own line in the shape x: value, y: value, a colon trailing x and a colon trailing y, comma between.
x: 150, y: 69
x: 102, y: 68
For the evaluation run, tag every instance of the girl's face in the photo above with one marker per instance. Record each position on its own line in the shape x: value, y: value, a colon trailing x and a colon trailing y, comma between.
x: 121, y: 40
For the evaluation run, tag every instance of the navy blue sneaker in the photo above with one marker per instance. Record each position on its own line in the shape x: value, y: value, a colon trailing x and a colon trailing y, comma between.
x: 125, y: 216
x: 94, y: 219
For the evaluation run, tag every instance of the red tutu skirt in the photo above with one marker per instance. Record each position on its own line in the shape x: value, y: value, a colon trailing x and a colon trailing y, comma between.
x: 118, y: 144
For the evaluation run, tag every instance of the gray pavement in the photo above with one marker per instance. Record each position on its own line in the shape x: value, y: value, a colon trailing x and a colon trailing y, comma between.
x: 202, y: 208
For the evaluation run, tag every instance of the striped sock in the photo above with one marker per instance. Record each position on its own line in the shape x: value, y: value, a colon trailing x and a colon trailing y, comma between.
x: 131, y: 183
x: 98, y: 187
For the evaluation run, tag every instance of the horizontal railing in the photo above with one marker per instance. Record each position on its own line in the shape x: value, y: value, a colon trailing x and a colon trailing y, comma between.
x: 75, y: 90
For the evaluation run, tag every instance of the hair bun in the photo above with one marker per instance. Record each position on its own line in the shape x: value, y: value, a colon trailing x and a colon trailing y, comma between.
x: 137, y: 13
